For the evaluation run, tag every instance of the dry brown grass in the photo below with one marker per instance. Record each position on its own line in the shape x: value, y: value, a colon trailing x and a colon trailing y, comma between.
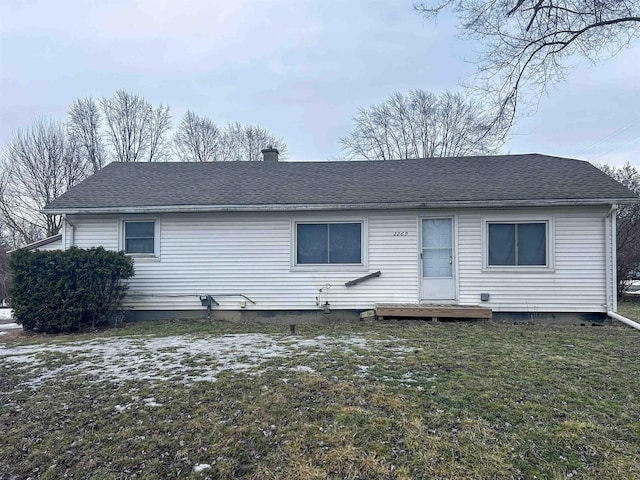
x: 630, y: 310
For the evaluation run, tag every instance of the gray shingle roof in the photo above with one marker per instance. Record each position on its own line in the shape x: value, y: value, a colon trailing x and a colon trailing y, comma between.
x: 484, y: 180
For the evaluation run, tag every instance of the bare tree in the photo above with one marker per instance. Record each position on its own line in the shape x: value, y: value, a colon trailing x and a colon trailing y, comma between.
x: 134, y: 129
x: 421, y: 125
x: 38, y: 165
x: 159, y: 125
x: 84, y: 127
x: 197, y: 139
x: 245, y: 142
x: 627, y: 226
x: 527, y: 43
x: 127, y: 116
x: 4, y: 270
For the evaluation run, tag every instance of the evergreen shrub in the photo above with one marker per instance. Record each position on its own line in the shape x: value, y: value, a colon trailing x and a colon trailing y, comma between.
x: 67, y: 290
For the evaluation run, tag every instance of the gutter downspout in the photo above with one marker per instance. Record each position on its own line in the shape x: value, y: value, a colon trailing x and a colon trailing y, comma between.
x: 614, y: 257
x: 610, y: 260
x: 73, y: 234
x: 611, y: 280
x: 63, y: 239
x: 624, y: 320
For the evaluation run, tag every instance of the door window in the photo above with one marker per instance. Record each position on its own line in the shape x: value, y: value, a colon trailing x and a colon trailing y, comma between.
x: 437, y: 258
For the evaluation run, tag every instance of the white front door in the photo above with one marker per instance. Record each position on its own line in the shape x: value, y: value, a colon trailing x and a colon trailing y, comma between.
x: 437, y: 259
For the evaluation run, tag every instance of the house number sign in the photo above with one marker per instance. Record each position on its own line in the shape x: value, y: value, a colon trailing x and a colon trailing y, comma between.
x: 400, y: 234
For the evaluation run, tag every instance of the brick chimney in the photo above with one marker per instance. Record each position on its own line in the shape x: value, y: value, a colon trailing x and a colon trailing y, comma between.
x: 270, y: 154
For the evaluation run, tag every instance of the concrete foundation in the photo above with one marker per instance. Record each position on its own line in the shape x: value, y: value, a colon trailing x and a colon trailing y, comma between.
x: 283, y: 317
x: 287, y: 317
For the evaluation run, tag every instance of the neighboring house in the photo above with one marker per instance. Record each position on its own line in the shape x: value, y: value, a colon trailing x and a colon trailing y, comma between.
x: 50, y: 243
x: 515, y: 233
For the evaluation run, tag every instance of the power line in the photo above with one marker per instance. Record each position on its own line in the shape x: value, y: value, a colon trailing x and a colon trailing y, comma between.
x: 633, y: 140
x: 620, y: 130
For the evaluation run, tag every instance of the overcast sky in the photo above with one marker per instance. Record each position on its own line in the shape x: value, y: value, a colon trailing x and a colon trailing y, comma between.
x: 297, y: 68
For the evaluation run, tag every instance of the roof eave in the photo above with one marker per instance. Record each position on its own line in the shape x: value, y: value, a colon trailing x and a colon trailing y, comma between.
x: 337, y: 206
x: 39, y: 243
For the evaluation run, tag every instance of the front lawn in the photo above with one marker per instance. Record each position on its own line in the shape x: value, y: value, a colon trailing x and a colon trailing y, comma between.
x: 190, y: 399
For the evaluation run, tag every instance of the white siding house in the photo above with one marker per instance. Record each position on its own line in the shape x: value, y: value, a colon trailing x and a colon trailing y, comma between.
x: 513, y: 255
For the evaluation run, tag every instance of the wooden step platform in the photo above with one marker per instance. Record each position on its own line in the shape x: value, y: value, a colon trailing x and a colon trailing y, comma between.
x: 415, y: 310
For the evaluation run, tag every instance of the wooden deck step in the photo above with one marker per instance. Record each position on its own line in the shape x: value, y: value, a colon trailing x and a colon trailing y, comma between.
x: 415, y: 310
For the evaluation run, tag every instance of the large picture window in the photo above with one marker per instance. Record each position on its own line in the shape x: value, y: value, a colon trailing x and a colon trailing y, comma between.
x: 139, y: 238
x: 517, y: 244
x: 329, y: 243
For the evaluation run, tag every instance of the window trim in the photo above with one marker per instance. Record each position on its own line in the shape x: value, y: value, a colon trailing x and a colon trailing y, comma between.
x: 324, y: 267
x: 550, y: 247
x: 156, y: 237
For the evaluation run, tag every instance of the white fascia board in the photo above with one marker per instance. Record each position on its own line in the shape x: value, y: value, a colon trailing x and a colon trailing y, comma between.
x: 39, y: 243
x: 328, y: 206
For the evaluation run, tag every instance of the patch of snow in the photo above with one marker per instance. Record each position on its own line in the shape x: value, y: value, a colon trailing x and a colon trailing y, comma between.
x: 407, y: 377
x: 182, y: 358
x: 6, y: 314
x: 151, y: 402
x: 302, y: 368
x: 201, y: 467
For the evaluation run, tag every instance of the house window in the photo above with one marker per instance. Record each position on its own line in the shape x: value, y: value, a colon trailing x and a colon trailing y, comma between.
x: 517, y: 244
x: 329, y: 243
x: 139, y: 238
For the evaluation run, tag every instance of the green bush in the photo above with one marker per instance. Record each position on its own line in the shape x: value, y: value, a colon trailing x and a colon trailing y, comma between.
x: 66, y: 291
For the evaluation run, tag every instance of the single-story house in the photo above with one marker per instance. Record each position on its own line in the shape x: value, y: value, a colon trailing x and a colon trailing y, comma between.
x: 514, y: 233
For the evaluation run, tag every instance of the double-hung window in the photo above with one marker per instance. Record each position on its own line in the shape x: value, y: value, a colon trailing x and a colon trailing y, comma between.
x: 338, y: 243
x: 139, y: 237
x: 518, y: 244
